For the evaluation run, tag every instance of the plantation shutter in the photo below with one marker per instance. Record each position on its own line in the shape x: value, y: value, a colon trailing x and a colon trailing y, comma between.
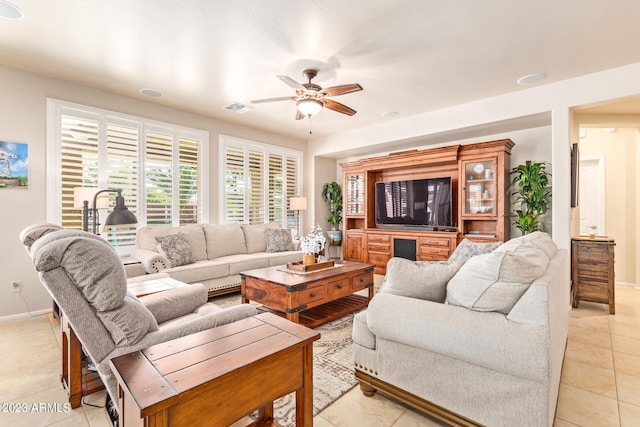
x: 276, y: 187
x: 234, y: 184
x: 122, y: 173
x: 158, y: 177
x: 293, y: 183
x: 190, y: 192
x: 79, y: 162
x: 257, y: 191
x: 258, y: 181
x: 157, y: 166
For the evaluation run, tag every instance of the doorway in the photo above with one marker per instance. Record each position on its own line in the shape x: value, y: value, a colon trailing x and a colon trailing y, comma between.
x: 591, y: 195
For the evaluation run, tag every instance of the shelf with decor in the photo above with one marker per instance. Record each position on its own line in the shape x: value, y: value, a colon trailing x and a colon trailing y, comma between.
x: 484, y: 203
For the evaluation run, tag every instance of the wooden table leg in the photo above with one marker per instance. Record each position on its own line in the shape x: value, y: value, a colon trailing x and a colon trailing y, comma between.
x: 294, y: 317
x: 265, y: 413
x: 74, y: 372
x: 304, y: 396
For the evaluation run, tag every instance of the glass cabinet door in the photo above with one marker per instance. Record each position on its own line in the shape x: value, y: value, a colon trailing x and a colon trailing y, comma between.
x: 355, y: 195
x: 479, y: 187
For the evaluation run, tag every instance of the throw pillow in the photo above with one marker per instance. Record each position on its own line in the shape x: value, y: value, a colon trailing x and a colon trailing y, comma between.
x: 176, y: 249
x: 466, y: 249
x: 495, y: 281
x: 419, y: 279
x: 278, y: 240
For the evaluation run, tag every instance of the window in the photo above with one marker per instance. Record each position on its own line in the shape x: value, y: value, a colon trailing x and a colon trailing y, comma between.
x: 158, y: 167
x: 257, y: 181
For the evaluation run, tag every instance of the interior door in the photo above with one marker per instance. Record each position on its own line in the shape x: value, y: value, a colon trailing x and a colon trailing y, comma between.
x: 591, y: 194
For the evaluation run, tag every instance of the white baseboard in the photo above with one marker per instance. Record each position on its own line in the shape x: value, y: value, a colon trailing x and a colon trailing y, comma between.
x: 23, y: 315
x: 632, y: 285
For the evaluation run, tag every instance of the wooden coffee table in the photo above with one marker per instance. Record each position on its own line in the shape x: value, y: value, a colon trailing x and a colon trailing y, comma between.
x: 216, y: 377
x: 311, y: 299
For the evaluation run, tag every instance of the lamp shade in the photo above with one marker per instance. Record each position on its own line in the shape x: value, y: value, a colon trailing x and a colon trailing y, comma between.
x: 298, y: 203
x: 121, y: 214
x: 309, y: 106
x: 80, y: 194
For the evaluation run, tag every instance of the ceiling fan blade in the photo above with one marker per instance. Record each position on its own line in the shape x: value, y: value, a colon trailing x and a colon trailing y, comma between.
x: 294, y: 84
x: 341, y: 90
x: 340, y: 108
x: 299, y: 115
x: 282, y: 98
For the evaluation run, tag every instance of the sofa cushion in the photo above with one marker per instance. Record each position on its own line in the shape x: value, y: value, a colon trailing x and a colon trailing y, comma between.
x: 416, y: 279
x: 281, y: 258
x: 255, y: 237
x: 224, y: 239
x: 89, y: 261
x: 146, y: 236
x: 496, y: 281
x: 279, y: 240
x: 199, y: 271
x: 532, y: 241
x: 175, y: 302
x: 194, y: 234
x: 243, y: 262
x: 128, y: 323
x: 176, y: 249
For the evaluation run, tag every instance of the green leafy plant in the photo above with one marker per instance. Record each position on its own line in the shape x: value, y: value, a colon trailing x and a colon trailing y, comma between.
x: 531, y: 186
x: 332, y: 194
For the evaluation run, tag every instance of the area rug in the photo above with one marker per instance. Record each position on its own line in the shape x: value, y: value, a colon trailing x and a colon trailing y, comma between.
x: 333, y: 373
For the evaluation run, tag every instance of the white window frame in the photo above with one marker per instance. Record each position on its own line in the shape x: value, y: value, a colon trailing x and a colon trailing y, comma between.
x: 56, y: 108
x: 267, y: 149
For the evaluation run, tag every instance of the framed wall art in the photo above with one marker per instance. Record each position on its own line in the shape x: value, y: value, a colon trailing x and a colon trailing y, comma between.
x: 14, y: 165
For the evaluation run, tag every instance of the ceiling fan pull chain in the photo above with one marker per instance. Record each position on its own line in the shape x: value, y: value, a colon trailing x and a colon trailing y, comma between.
x: 310, y: 125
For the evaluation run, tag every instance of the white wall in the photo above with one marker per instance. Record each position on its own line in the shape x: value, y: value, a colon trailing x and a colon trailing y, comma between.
x: 619, y: 152
x: 23, y: 119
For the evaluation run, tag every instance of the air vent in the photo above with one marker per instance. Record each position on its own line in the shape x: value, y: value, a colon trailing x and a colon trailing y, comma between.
x: 237, y: 107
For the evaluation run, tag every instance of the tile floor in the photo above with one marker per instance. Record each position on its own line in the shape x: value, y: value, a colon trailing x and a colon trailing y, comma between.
x: 600, y: 383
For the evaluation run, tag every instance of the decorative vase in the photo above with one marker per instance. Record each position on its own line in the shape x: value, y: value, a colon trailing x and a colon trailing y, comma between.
x: 308, y: 259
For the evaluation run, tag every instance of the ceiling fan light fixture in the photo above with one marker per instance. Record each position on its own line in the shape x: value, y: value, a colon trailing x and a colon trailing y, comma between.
x: 309, y: 106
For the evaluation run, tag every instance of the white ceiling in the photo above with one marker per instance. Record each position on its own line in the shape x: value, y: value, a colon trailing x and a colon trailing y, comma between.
x: 410, y: 56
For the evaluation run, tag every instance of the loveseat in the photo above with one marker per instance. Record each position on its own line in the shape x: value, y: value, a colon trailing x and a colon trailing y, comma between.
x: 476, y: 340
x: 213, y: 254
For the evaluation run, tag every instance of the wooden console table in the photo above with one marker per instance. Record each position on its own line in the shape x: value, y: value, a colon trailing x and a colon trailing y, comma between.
x: 592, y: 271
x: 216, y: 377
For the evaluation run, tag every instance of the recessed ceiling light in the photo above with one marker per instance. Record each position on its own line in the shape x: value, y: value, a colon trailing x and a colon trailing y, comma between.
x: 611, y: 130
x: 9, y: 11
x: 389, y: 114
x: 151, y: 92
x: 531, y: 78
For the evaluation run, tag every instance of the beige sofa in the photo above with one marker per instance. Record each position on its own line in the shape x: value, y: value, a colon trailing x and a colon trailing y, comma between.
x: 483, y: 348
x: 219, y: 252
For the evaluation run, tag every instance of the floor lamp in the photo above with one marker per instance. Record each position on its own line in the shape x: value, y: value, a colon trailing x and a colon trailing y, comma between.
x: 298, y: 204
x: 119, y: 216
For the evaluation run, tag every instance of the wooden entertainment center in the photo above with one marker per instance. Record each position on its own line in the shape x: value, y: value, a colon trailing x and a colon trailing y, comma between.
x: 479, y: 176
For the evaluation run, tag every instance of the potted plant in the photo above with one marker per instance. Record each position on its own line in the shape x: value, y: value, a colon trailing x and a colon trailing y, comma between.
x: 332, y: 195
x: 531, y: 185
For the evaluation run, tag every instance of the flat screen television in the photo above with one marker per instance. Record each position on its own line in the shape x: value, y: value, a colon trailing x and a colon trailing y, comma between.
x: 420, y: 202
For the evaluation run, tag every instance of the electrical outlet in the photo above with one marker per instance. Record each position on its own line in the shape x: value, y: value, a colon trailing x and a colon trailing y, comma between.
x: 16, y: 286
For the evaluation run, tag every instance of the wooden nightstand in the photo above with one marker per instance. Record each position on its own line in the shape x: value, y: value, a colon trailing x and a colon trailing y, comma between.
x: 592, y: 271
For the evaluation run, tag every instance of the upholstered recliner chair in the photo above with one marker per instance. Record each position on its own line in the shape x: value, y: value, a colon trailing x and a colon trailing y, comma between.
x: 86, y: 279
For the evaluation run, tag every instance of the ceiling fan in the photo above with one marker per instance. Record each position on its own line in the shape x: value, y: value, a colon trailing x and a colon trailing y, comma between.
x: 310, y: 98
